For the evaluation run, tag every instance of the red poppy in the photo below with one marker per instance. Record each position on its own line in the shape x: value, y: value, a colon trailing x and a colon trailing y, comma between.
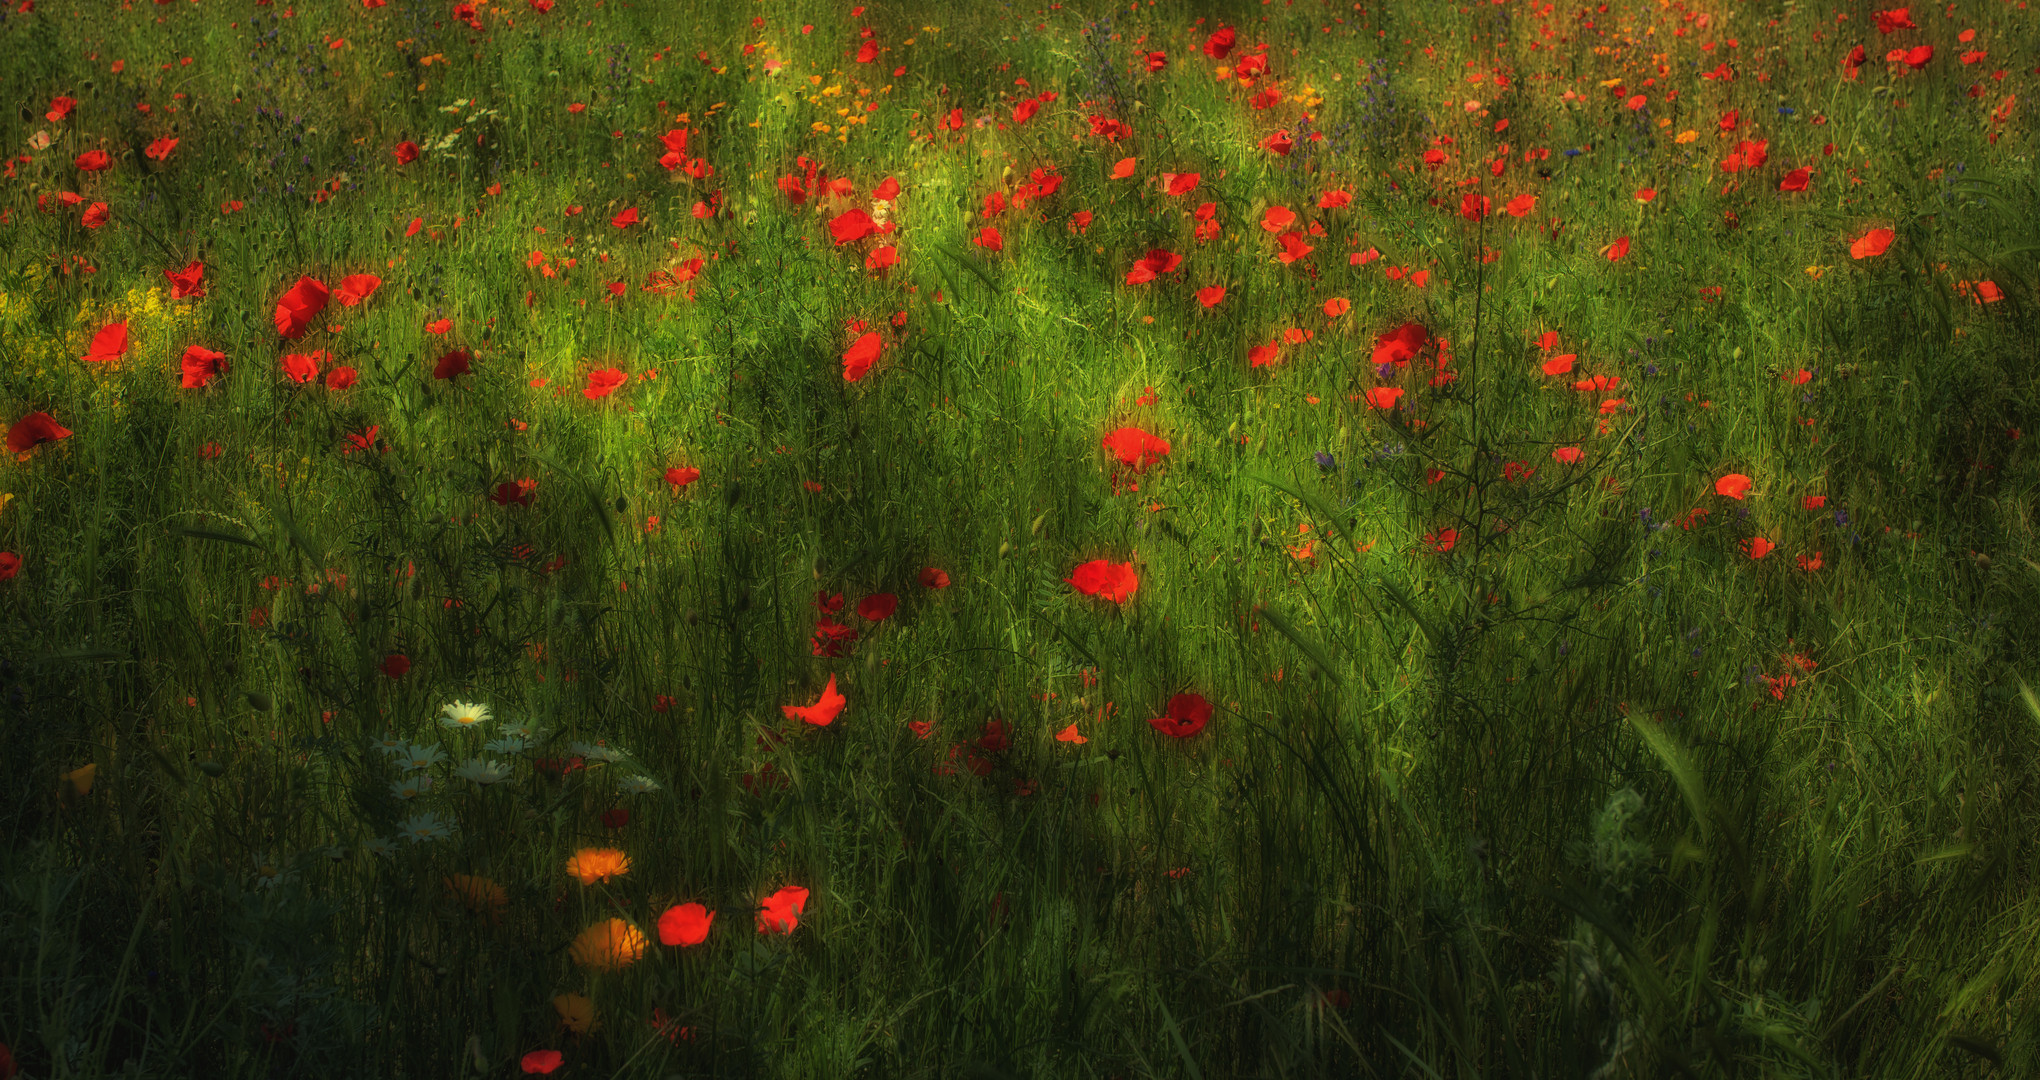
x: 1279, y: 144
x: 878, y: 607
x: 10, y: 565
x: 94, y: 161
x: 1399, y: 345
x: 603, y: 382
x: 685, y: 924
x: 990, y: 239
x: 1758, y: 547
x: 406, y: 152
x: 1567, y: 455
x: 541, y: 1062
x: 509, y: 492
x: 1335, y: 199
x: 1263, y: 355
x: 342, y: 377
x: 302, y: 367
x: 1442, y: 540
x: 1617, y: 249
x: 160, y: 149
x: 395, y: 665
x: 681, y: 477
x: 1872, y: 243
x: 882, y: 257
x: 1113, y: 581
x: 95, y: 215
x: 1136, y: 448
x: 626, y: 219
x: 781, y: 911
x: 1337, y: 306
x: 451, y: 364
x: 825, y: 709
x: 189, y: 281
x: 1293, y: 247
x: 108, y: 344
x: 438, y: 326
x: 887, y: 190
x: 1895, y: 19
x: 1473, y: 207
x: 1220, y: 43
x: 354, y: 288
x: 861, y: 355
x: 931, y: 578
x: 200, y: 364
x: 1796, y: 179
x: 1733, y: 486
x: 851, y: 225
x: 60, y: 107
x: 1152, y: 265
x: 1277, y: 218
x: 298, y: 306
x: 1180, y: 183
x: 1187, y: 715
x: 32, y: 431
x: 1210, y: 295
x: 1917, y: 56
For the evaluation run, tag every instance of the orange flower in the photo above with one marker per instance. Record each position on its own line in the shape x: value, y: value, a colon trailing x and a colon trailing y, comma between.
x: 590, y: 865
x: 477, y: 893
x: 608, y: 945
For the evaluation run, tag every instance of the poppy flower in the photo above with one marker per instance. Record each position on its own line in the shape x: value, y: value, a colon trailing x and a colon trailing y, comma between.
x: 95, y: 215
x: 1112, y: 581
x: 94, y: 161
x: 825, y: 709
x: 685, y: 924
x: 1617, y: 249
x: 1733, y: 486
x: 931, y: 578
x: 406, y: 152
x: 32, y: 431
x: 576, y: 1012
x: 1070, y: 735
x: 1383, y: 397
x: 1124, y: 167
x: 591, y: 866
x: 1152, y: 265
x: 451, y: 364
x: 1277, y: 218
x: 340, y: 378
x: 60, y: 107
x: 1796, y: 179
x: 851, y: 224
x: 1220, y: 43
x: 1645, y: 194
x: 1917, y: 56
x: 108, y: 344
x: 1180, y: 183
x: 1520, y: 205
x: 1399, y: 345
x: 1293, y: 247
x: 1558, y: 365
x: 1442, y: 540
x: 609, y: 945
x: 10, y: 565
x: 302, y: 367
x: 189, y: 281
x: 1895, y: 19
x: 298, y: 306
x: 541, y: 1062
x: 199, y: 365
x: 878, y: 607
x: 1210, y: 295
x: 603, y: 382
x: 887, y: 190
x: 1136, y: 448
x: 1337, y: 306
x: 1473, y: 207
x: 395, y: 665
x: 438, y: 326
x: 780, y: 912
x: 1187, y: 715
x: 1278, y: 144
x: 1335, y: 199
x: 681, y: 477
x: 1263, y: 355
x: 1871, y: 243
x: 882, y: 257
x: 477, y: 893
x: 861, y: 354
x: 160, y: 149
x: 1758, y: 547
x: 354, y: 288
x: 1567, y: 455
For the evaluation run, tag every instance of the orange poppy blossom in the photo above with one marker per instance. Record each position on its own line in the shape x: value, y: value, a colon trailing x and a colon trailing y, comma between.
x: 592, y: 865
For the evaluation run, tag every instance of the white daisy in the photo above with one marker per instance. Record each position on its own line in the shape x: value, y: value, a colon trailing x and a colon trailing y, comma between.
x: 523, y: 729
x: 483, y: 772
x: 422, y: 827
x: 462, y: 715
x: 412, y: 786
x: 595, y: 753
x: 379, y: 845
x: 638, y: 785
x: 391, y: 744
x: 506, y: 747
x: 419, y: 757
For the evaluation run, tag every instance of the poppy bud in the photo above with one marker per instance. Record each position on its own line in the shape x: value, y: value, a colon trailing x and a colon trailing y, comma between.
x: 212, y: 768
x: 693, y: 618
x: 622, y: 504
x: 258, y: 702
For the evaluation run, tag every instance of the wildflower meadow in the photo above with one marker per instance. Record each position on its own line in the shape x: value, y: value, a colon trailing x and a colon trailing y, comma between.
x: 773, y: 538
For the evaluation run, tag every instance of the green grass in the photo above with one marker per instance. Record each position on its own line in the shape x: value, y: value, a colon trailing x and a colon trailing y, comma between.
x: 1541, y: 804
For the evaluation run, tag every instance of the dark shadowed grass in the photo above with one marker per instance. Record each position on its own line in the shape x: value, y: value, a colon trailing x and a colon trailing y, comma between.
x: 1541, y: 803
